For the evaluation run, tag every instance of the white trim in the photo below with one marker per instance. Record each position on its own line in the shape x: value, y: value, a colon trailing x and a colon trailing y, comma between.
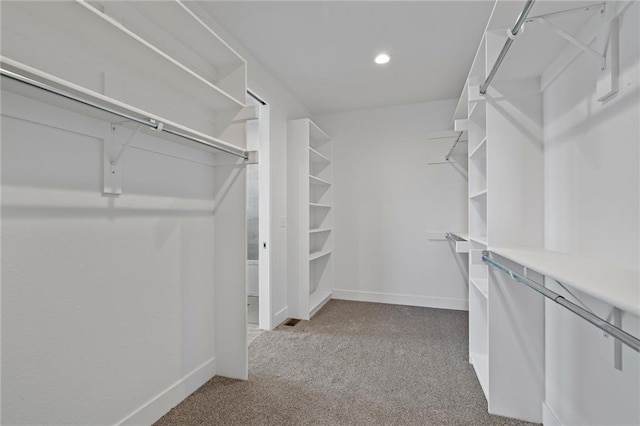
x: 280, y: 316
x: 402, y: 299
x: 161, y: 404
x: 548, y: 416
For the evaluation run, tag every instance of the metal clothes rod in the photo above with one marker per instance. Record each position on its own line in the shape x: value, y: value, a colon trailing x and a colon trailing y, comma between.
x: 507, y: 44
x: 144, y: 121
x: 626, y: 338
x: 446, y: 157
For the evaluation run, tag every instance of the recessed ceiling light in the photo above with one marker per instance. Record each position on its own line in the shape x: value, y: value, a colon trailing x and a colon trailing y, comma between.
x: 382, y: 59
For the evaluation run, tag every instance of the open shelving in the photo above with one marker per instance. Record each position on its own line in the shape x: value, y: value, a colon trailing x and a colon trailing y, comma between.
x: 203, y: 90
x: 310, y: 213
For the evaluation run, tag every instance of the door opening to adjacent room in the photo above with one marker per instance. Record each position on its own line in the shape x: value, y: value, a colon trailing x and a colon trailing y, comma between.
x: 258, y: 205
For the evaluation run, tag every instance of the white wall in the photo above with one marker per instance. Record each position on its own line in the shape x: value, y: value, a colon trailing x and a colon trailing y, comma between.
x: 284, y: 107
x: 387, y: 198
x: 592, y: 208
x: 106, y: 303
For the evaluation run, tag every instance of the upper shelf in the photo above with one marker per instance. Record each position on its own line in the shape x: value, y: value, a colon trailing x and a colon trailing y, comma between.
x: 67, y: 95
x: 154, y: 66
x: 316, y: 157
x: 616, y: 286
x: 536, y: 48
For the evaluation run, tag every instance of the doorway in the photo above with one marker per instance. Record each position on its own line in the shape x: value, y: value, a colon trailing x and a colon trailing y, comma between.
x: 258, y: 221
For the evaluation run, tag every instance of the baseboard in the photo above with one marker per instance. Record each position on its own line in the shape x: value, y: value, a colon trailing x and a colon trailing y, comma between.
x: 402, y: 299
x: 280, y: 316
x: 162, y: 403
x: 548, y: 416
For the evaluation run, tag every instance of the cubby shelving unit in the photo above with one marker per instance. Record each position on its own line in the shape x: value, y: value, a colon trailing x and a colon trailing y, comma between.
x: 506, y: 202
x: 310, y: 218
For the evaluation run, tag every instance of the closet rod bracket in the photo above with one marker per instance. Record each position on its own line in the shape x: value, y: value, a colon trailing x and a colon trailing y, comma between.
x: 573, y: 40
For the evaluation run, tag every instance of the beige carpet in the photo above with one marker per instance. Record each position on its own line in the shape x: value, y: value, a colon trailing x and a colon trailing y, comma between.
x: 352, y: 364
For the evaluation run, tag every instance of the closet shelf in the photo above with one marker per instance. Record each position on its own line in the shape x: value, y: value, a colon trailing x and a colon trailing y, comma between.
x: 319, y: 254
x: 318, y: 231
x: 316, y: 157
x: 480, y: 240
x: 616, y: 286
x: 119, y: 44
x: 482, y: 284
x: 36, y: 84
x: 480, y: 149
x: 317, y: 137
x: 320, y: 206
x: 317, y: 300
x: 478, y: 195
x: 317, y: 181
x: 481, y: 366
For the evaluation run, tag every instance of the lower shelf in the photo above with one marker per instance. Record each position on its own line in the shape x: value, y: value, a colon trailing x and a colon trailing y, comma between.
x: 482, y: 284
x: 481, y: 366
x: 319, y: 254
x: 317, y: 300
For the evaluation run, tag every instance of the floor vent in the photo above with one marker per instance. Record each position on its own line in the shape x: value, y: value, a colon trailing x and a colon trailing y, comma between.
x: 291, y: 322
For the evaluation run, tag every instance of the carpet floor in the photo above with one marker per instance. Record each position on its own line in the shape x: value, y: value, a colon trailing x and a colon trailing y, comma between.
x: 353, y: 364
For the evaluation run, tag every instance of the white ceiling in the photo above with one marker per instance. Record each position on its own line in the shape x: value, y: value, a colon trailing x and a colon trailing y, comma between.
x: 323, y: 51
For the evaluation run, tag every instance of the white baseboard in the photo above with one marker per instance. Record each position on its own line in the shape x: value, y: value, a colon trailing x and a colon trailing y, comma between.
x: 402, y: 299
x: 280, y: 316
x: 548, y: 416
x: 162, y: 403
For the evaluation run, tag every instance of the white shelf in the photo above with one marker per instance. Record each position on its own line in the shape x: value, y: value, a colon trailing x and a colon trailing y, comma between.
x: 317, y: 136
x: 309, y: 182
x: 317, y: 231
x: 480, y: 149
x: 473, y: 108
x: 478, y: 194
x: 479, y: 240
x: 462, y: 235
x: 616, y: 286
x: 481, y: 366
x: 316, y: 157
x: 320, y: 206
x: 80, y: 18
x: 317, y: 300
x: 319, y: 254
x: 97, y: 99
x: 482, y: 284
x: 317, y: 181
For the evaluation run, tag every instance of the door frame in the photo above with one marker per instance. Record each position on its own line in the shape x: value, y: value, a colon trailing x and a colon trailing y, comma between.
x: 265, y: 317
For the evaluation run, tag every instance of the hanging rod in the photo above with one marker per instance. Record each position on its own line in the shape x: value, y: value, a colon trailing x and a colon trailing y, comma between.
x: 158, y: 126
x: 626, y: 338
x: 446, y: 157
x: 513, y: 33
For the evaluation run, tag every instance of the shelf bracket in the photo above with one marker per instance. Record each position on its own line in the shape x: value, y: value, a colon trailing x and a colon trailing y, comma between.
x: 113, y: 154
x: 571, y: 39
x: 607, y: 42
